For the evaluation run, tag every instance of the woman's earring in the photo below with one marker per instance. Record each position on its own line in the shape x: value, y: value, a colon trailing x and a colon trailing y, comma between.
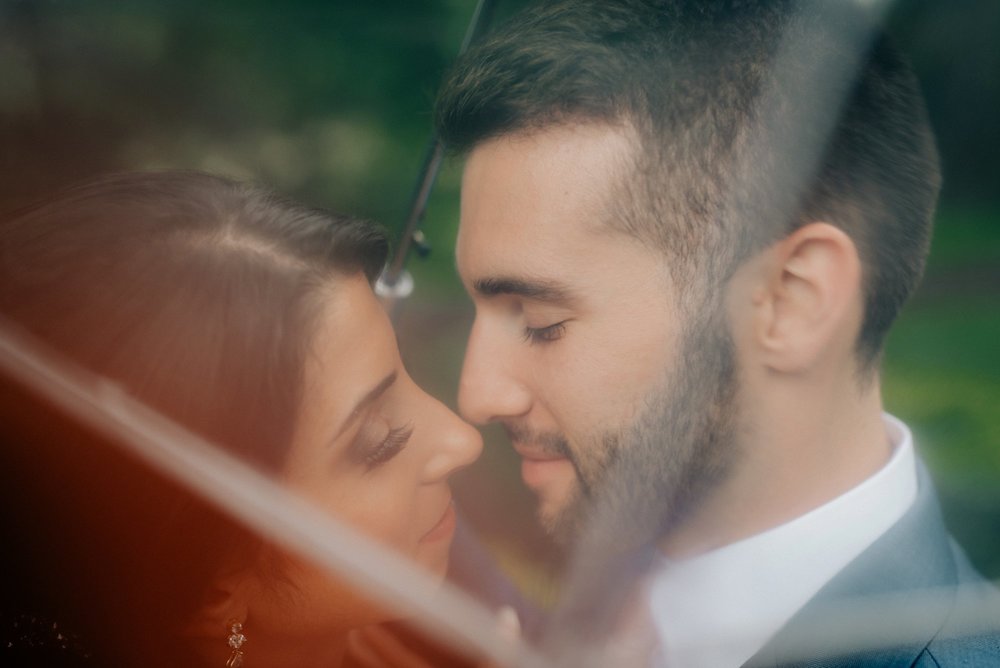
x: 235, y: 641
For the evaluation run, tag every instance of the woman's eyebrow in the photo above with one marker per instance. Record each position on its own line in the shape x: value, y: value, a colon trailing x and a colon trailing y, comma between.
x: 366, y: 400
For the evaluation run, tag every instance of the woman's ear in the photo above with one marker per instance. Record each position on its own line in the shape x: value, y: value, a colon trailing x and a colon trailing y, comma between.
x: 808, y: 303
x: 226, y: 600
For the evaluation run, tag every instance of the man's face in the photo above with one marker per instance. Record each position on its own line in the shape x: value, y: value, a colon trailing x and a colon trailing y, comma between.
x: 577, y: 332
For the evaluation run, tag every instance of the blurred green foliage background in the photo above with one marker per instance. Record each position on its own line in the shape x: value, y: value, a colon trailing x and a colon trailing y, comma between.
x: 330, y: 102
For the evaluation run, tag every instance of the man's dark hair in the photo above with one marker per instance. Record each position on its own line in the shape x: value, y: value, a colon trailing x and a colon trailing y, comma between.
x: 739, y: 142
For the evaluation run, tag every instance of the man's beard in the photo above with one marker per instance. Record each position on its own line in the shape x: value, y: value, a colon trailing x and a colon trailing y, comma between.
x: 634, y: 485
x: 587, y: 463
x: 655, y: 473
x: 680, y: 448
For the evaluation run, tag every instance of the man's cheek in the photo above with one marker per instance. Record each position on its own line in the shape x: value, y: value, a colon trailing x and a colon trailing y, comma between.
x: 559, y: 486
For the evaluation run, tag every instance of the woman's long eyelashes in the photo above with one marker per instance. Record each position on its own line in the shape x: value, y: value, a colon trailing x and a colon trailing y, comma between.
x: 545, y: 334
x: 389, y: 447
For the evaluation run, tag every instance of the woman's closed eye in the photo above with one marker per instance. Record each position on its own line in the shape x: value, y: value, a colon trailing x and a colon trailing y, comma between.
x: 377, y: 451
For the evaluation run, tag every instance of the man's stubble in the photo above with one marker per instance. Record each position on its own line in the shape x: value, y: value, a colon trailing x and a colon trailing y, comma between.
x: 655, y: 473
x: 636, y: 484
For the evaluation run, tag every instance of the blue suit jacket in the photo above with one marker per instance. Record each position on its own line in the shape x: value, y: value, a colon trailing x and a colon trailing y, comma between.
x: 939, y: 611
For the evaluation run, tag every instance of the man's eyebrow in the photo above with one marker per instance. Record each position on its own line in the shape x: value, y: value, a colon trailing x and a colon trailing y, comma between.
x: 366, y: 400
x: 539, y: 290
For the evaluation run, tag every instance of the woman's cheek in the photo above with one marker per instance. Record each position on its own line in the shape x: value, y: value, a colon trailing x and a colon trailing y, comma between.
x: 387, y: 517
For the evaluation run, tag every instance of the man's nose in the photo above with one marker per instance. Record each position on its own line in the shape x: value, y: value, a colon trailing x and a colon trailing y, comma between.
x: 490, y: 388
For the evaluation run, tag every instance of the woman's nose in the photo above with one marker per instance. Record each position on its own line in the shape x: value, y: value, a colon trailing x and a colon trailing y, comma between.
x: 455, y: 444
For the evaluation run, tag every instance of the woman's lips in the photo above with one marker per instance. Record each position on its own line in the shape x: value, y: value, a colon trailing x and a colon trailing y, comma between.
x: 444, y: 528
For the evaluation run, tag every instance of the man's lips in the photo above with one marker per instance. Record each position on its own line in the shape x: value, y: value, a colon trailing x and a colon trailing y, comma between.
x: 537, y: 455
x: 539, y: 467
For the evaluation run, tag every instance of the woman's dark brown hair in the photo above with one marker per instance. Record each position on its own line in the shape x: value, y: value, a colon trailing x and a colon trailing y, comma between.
x: 198, y: 296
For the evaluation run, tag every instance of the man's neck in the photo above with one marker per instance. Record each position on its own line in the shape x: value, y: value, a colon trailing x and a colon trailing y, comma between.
x: 796, y: 449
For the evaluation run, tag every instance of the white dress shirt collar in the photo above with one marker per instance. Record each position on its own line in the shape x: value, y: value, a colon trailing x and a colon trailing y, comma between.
x: 719, y: 609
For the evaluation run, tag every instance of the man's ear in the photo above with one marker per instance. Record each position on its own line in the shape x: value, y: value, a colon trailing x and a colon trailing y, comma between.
x: 226, y: 600
x: 808, y: 302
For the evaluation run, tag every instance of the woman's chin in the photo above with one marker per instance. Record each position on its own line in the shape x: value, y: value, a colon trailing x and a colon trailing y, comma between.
x: 434, y: 548
x: 434, y: 559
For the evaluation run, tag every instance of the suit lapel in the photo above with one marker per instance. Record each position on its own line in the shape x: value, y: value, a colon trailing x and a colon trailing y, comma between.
x: 913, y: 556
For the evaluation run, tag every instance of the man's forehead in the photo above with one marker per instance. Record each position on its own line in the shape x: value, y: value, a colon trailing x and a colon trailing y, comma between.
x: 527, y: 184
x: 544, y: 262
x: 535, y: 211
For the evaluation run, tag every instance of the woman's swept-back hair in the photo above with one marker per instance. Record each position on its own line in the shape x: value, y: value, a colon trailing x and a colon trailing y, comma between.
x: 199, y: 296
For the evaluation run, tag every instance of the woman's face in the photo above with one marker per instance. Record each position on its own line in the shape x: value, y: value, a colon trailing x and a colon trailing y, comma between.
x: 371, y: 448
